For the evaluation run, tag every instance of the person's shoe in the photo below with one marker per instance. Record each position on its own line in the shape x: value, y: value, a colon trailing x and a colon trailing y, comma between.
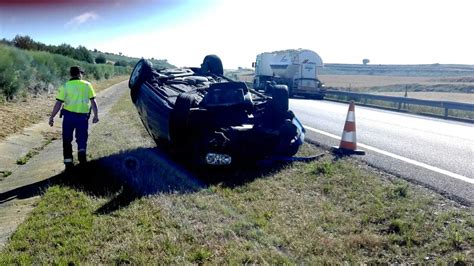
x: 82, y: 156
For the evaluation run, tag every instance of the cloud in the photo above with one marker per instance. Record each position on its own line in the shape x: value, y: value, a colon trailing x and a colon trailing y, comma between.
x: 81, y: 19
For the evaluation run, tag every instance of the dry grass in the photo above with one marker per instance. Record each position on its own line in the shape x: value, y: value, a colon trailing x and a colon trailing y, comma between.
x: 30, y: 109
x: 366, y: 81
x: 435, y: 96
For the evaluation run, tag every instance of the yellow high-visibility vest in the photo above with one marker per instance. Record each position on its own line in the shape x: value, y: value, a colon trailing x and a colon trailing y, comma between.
x: 76, y: 95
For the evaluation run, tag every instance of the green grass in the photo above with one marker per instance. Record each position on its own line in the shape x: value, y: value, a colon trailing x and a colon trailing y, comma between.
x: 35, y: 151
x: 326, y: 212
x: 24, y: 159
x: 5, y: 173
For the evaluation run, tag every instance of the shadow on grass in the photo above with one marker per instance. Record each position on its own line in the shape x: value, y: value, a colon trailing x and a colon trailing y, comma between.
x: 126, y: 176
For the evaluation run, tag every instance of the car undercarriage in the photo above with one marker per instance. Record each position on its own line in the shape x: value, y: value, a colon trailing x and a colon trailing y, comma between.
x: 214, y: 121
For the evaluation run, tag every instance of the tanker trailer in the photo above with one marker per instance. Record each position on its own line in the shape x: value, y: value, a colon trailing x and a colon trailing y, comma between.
x: 296, y: 69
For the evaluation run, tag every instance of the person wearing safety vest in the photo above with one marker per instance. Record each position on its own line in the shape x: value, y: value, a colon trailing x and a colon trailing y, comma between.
x: 77, y: 98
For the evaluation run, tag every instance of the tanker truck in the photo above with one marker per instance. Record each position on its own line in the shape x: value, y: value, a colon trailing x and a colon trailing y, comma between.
x: 296, y: 69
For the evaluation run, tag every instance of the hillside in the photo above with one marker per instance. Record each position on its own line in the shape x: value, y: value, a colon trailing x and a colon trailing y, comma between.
x: 129, y: 61
x: 28, y: 66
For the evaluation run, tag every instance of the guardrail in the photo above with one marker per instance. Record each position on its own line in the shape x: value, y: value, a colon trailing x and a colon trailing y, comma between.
x: 448, y: 110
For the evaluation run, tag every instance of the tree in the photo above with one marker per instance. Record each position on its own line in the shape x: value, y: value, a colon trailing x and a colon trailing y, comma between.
x: 64, y: 49
x: 365, y: 61
x: 24, y: 42
x: 100, y: 59
x: 81, y: 53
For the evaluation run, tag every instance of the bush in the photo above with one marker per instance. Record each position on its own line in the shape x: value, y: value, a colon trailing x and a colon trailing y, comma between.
x: 121, y: 63
x: 82, y: 54
x: 14, y: 66
x: 100, y: 59
x: 37, y: 70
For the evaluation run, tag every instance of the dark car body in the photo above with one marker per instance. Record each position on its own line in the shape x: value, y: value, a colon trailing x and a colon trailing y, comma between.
x: 201, y: 114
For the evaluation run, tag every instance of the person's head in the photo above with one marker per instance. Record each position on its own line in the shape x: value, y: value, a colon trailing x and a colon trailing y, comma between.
x: 76, y: 72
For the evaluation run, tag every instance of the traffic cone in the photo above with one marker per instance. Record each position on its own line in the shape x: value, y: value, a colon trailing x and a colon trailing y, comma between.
x: 348, y: 143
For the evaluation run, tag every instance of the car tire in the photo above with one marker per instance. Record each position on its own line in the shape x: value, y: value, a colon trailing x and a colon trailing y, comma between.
x: 280, y: 98
x: 179, y: 118
x: 287, y: 132
x: 213, y: 64
x: 140, y: 73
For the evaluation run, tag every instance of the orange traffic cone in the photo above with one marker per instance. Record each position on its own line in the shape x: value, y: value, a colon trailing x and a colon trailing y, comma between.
x: 348, y: 143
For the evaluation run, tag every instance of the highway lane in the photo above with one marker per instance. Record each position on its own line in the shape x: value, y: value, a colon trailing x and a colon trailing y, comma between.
x: 434, y: 152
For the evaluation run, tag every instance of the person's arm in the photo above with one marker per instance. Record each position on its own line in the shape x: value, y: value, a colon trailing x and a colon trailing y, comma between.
x: 95, y: 110
x: 56, y: 108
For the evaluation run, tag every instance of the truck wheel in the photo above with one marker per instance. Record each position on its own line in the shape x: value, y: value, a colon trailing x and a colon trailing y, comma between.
x: 179, y: 118
x: 290, y: 93
x: 213, y: 64
x: 280, y: 97
x: 254, y: 85
x: 140, y: 73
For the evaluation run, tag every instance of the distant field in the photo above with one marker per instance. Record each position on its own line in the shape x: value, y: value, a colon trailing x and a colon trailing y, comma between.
x: 367, y: 81
x: 454, y: 88
x: 435, y: 96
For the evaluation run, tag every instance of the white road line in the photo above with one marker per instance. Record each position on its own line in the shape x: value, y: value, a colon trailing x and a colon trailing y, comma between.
x: 401, y: 158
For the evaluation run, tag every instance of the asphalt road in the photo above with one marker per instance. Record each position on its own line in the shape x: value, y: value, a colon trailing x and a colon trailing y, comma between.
x: 436, y: 153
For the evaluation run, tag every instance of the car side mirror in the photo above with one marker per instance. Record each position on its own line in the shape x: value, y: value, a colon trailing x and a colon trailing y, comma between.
x: 253, y: 64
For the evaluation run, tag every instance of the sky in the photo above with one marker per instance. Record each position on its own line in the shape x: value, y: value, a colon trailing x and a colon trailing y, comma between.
x: 184, y: 31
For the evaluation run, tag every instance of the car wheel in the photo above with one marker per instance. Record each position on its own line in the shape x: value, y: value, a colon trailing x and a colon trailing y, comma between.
x: 140, y: 73
x: 288, y: 132
x: 179, y: 118
x: 280, y: 99
x: 213, y: 64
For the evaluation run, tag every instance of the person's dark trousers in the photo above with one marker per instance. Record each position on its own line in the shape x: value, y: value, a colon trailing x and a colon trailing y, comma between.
x: 80, y: 124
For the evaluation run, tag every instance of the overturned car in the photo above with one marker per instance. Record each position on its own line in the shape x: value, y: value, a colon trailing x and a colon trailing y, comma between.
x: 210, y: 119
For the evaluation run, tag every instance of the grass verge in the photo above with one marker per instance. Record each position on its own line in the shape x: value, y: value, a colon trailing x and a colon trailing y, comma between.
x: 331, y: 211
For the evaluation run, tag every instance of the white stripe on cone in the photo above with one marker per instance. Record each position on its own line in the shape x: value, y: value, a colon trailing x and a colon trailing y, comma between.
x: 349, y: 136
x: 350, y: 117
